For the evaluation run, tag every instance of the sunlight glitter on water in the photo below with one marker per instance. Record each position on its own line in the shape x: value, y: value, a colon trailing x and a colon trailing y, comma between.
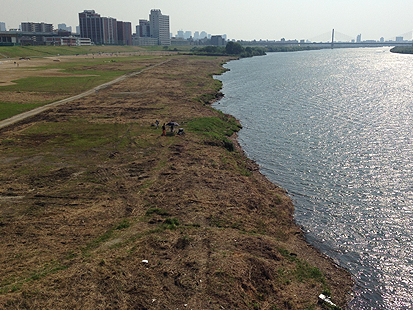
x: 334, y: 127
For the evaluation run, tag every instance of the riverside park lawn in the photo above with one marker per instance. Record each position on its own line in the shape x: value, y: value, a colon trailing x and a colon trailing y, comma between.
x: 99, y: 211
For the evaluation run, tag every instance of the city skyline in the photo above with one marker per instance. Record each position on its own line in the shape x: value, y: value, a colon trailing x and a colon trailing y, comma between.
x: 240, y: 20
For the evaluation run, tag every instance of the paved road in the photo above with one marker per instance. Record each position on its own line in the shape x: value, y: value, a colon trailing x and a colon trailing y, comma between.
x: 22, y: 116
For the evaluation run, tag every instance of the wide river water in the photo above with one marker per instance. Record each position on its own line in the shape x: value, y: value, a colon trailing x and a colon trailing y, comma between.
x: 335, y: 129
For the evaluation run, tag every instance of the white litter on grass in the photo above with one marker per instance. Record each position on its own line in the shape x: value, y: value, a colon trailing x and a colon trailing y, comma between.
x: 145, y: 261
x: 327, y: 300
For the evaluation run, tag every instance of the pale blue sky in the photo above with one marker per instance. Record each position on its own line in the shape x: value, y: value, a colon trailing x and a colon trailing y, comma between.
x: 239, y: 19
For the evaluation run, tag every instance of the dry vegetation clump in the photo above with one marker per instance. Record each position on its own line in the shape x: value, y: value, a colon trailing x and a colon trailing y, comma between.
x: 99, y: 211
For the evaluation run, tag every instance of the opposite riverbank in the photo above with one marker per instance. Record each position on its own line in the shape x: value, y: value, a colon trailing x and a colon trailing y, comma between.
x: 98, y: 210
x: 402, y: 50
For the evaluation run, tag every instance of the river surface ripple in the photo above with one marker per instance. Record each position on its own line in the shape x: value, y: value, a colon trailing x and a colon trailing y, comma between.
x: 334, y: 128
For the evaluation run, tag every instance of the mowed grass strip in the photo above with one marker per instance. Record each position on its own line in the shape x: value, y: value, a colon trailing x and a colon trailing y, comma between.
x: 66, y: 85
x: 9, y: 109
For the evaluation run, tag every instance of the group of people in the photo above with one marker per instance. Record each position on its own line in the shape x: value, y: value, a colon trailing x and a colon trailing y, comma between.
x: 172, y: 125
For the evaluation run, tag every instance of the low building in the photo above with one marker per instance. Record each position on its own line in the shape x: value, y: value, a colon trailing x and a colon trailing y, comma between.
x: 217, y: 40
x: 144, y: 41
x: 180, y: 41
x: 84, y: 42
x: 10, y: 38
x: 59, y: 41
x: 36, y: 27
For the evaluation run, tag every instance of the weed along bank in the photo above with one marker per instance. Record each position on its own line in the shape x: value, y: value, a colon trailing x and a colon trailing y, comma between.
x: 99, y: 210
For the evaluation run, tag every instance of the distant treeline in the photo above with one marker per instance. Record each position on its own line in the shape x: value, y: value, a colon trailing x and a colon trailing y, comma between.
x: 290, y: 48
x: 232, y: 48
x: 402, y: 49
x: 236, y: 49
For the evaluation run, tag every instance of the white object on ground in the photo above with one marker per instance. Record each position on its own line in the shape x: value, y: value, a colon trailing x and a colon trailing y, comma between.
x: 327, y: 300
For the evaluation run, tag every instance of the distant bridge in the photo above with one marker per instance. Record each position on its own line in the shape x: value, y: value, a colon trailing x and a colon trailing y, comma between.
x: 341, y: 37
x: 329, y: 45
x: 336, y: 39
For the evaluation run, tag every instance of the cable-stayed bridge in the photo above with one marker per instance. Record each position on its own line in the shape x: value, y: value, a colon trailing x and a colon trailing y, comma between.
x: 327, y: 36
x: 341, y: 37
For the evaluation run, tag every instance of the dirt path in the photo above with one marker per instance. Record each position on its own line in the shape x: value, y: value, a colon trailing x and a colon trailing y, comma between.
x: 24, y: 115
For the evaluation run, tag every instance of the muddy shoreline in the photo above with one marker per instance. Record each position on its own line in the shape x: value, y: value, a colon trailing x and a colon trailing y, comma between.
x: 112, y: 215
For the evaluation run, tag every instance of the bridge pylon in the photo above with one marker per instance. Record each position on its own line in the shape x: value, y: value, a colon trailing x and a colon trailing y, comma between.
x: 332, y: 40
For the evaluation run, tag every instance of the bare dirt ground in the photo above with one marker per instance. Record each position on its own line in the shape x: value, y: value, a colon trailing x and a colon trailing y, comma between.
x: 99, y: 211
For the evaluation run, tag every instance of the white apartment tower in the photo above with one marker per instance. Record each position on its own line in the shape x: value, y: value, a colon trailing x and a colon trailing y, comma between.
x: 159, y: 27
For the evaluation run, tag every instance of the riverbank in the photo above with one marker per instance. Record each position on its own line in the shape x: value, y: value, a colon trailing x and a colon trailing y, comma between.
x: 402, y: 50
x: 98, y: 210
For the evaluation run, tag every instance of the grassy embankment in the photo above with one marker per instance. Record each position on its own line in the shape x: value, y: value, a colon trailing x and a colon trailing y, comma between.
x: 90, y: 189
x: 402, y: 50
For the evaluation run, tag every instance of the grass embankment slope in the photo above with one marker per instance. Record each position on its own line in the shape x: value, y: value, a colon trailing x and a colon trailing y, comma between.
x: 89, y: 190
x: 402, y: 50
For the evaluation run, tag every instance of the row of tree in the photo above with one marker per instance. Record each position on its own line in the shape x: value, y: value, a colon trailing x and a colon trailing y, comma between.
x: 232, y: 48
x: 236, y: 49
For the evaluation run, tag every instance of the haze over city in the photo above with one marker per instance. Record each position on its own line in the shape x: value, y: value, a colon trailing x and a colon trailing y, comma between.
x: 239, y: 19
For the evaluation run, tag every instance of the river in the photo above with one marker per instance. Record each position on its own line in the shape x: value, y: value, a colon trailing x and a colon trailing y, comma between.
x: 335, y: 129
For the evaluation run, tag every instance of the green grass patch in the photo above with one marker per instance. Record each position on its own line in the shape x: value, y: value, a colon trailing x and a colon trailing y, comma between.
x: 122, y: 225
x: 106, y: 236
x: 158, y: 211
x: 9, y: 109
x: 303, y: 271
x: 167, y: 48
x: 215, y: 130
x: 61, y: 85
x: 14, y: 284
x: 170, y: 223
x: 36, y: 51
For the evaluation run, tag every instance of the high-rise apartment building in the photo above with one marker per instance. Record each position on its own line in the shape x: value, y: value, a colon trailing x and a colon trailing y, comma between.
x: 124, y: 33
x: 159, y: 27
x: 2, y: 26
x: 91, y: 26
x: 101, y: 30
x: 110, y: 28
x: 36, y: 27
x: 144, y: 30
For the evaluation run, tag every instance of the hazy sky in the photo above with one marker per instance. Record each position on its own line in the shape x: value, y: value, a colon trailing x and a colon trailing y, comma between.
x: 239, y: 19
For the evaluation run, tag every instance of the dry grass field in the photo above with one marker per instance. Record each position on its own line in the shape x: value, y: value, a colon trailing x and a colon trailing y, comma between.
x: 98, y: 210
